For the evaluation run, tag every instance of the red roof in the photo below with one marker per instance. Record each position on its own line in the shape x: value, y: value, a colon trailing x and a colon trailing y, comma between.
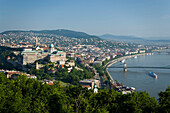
x: 51, y: 83
x: 8, y: 57
x: 59, y: 47
x: 62, y: 66
x: 78, y: 55
x: 87, y: 86
x: 45, y: 48
x: 119, y: 54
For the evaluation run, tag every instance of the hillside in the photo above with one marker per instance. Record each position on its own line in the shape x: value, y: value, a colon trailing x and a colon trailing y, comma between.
x: 116, y: 37
x: 60, y: 32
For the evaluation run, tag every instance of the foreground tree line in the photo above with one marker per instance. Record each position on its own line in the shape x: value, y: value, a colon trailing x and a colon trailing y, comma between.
x: 30, y: 95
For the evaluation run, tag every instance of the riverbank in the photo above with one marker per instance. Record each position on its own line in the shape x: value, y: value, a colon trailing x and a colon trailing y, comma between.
x: 138, y: 77
x: 118, y: 60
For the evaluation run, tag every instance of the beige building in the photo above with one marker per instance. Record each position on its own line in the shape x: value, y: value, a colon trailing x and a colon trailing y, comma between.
x: 141, y: 51
x: 30, y: 56
x: 57, y: 56
x: 89, y: 82
x: 27, y: 57
x: 71, y: 63
x: 88, y: 61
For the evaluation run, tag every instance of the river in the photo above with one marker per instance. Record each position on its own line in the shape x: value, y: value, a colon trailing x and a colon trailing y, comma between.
x: 139, y: 78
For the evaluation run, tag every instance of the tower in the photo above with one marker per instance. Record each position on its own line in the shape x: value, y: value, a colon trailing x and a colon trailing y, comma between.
x: 36, y: 41
x: 51, y: 48
x: 3, y: 41
x: 37, y: 67
x: 125, y: 67
x: 95, y: 89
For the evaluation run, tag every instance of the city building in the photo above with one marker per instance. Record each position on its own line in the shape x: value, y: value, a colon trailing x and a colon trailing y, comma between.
x: 141, y: 51
x: 30, y: 56
x: 90, y: 82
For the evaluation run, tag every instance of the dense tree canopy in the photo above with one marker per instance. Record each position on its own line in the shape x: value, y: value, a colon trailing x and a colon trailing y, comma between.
x: 164, y: 101
x: 62, y: 74
x: 4, y: 53
x: 30, y: 95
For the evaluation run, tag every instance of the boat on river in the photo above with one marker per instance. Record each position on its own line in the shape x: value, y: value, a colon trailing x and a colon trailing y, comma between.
x: 152, y: 74
x: 123, y: 61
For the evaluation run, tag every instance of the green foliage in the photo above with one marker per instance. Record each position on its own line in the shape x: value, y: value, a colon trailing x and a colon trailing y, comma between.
x: 31, y: 96
x: 164, y: 101
x: 4, y: 53
x: 62, y: 74
x: 112, y: 101
x: 101, y: 70
x: 74, y: 76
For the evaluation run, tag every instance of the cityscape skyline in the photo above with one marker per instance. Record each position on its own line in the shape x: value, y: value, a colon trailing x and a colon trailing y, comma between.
x: 132, y: 18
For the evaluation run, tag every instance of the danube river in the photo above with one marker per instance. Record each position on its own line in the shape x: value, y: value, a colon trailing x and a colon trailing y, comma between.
x: 139, y: 78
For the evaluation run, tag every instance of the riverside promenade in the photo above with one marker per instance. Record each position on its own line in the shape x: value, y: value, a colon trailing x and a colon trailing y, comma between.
x: 118, y: 60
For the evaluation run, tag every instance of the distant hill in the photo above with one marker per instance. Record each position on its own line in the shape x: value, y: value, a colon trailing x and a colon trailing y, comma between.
x: 60, y: 32
x: 159, y: 41
x: 116, y: 37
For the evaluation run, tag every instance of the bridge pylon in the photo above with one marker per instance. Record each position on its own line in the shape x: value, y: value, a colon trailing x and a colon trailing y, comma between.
x: 125, y: 67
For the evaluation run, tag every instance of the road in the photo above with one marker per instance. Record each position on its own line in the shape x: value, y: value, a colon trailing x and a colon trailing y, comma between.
x: 102, y: 86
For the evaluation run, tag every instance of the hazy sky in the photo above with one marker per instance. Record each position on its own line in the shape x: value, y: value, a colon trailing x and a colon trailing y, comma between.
x: 145, y: 18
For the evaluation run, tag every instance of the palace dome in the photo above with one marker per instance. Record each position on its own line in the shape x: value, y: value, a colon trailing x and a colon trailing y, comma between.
x: 51, y: 46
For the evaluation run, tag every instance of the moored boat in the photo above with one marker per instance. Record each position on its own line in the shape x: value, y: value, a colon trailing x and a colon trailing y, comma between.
x: 153, y: 74
x: 123, y: 61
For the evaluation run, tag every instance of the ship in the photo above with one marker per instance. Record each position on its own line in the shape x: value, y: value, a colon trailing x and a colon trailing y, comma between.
x: 153, y: 74
x: 135, y: 57
x: 123, y: 61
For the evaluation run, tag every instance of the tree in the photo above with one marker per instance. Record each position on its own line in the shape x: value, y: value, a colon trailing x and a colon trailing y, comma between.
x: 30, y: 95
x: 164, y: 101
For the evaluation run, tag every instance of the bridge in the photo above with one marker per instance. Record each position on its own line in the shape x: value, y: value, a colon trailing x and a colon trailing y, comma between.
x: 162, y: 51
x: 140, y: 67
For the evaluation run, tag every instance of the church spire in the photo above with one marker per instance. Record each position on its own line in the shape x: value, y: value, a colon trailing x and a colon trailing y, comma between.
x: 95, y: 89
x: 3, y: 41
x: 37, y: 67
x: 36, y: 41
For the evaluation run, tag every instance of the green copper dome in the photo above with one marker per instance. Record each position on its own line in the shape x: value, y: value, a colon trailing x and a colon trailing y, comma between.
x: 51, y: 46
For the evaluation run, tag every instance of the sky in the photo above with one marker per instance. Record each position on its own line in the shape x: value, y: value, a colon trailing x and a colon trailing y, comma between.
x: 142, y: 18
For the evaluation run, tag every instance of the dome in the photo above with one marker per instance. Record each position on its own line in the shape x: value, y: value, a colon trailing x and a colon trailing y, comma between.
x: 51, y: 46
